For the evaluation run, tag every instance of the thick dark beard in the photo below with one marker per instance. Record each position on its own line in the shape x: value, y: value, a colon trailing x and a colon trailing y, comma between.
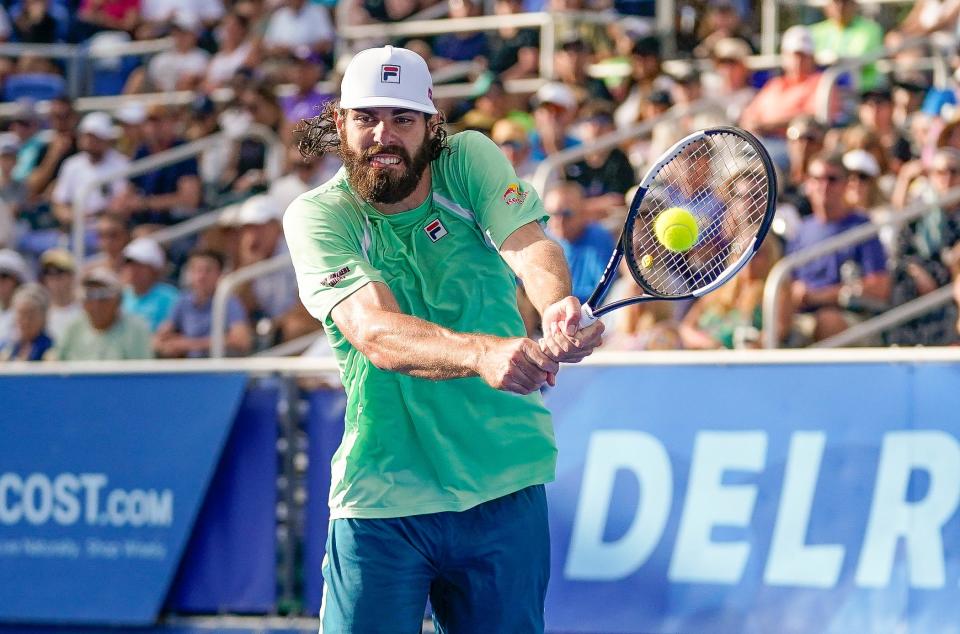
x: 383, y: 185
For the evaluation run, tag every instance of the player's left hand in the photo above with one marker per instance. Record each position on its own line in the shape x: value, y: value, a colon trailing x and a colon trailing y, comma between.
x: 563, y: 340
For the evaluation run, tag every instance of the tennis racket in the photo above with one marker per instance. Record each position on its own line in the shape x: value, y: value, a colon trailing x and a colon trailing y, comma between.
x: 724, y: 177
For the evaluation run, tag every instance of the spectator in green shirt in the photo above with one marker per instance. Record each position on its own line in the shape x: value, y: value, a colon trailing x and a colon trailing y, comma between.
x: 104, y: 332
x: 845, y: 35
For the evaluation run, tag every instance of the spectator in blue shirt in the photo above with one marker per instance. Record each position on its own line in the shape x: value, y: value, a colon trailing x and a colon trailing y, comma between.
x: 833, y: 287
x: 187, y: 332
x: 145, y: 295
x: 586, y: 245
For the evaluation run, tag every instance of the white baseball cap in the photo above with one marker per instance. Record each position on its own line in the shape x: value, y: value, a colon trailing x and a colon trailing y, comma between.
x: 387, y: 77
x: 862, y: 162
x: 258, y: 210
x: 12, y: 263
x: 797, y: 39
x: 557, y: 94
x: 100, y: 125
x: 145, y: 251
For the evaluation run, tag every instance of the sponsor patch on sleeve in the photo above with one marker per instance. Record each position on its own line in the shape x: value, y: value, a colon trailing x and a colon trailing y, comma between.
x: 335, y: 278
x: 514, y: 195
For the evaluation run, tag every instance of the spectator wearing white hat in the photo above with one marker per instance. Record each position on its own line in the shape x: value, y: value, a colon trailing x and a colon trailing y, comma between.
x: 555, y: 109
x: 145, y: 294
x: 13, y: 273
x: 272, y: 296
x: 57, y: 274
x: 790, y: 95
x: 862, y: 173
x: 96, y: 160
x: 31, y: 341
x: 104, y: 332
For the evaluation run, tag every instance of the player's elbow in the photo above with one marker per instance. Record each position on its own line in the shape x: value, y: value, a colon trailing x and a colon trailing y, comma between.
x: 372, y: 341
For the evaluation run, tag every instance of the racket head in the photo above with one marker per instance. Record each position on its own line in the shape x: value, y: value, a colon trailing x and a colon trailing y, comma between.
x: 724, y: 177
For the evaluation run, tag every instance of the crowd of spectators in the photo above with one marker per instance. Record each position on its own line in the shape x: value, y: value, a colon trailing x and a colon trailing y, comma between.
x: 883, y: 142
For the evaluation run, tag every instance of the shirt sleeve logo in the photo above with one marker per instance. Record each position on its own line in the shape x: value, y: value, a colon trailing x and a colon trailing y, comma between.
x: 514, y: 195
x: 435, y: 230
x: 335, y: 278
x: 390, y: 74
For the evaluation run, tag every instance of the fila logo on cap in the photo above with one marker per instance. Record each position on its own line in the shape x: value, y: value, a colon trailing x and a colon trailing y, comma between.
x: 390, y: 74
x: 435, y: 230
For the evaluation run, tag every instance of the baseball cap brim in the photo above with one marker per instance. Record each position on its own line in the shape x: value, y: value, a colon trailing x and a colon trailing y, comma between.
x: 388, y: 102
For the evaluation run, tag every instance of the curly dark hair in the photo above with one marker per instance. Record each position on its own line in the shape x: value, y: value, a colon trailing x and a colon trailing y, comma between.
x: 318, y: 135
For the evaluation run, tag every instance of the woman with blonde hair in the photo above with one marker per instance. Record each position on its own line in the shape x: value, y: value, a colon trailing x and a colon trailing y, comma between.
x: 731, y: 316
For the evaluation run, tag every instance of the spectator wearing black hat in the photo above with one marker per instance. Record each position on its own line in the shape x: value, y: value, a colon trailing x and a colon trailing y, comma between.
x: 305, y: 71
x: 645, y: 78
x: 570, y: 67
x: 606, y: 175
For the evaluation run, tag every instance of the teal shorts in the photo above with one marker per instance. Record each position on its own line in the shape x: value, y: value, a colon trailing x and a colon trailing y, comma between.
x: 485, y: 570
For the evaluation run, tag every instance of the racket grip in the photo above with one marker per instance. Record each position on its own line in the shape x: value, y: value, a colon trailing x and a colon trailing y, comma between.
x: 586, y: 316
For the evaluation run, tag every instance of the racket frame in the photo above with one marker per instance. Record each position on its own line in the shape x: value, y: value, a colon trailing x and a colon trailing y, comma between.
x: 590, y: 311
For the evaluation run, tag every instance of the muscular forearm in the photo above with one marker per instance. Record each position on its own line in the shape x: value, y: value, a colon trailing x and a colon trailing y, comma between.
x: 402, y: 343
x: 540, y: 265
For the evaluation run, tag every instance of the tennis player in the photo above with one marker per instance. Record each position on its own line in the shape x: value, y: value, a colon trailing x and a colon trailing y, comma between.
x: 409, y: 257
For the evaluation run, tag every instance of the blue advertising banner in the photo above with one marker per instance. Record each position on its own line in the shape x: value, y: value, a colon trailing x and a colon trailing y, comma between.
x: 756, y: 499
x: 230, y: 564
x: 101, y: 478
x: 324, y: 427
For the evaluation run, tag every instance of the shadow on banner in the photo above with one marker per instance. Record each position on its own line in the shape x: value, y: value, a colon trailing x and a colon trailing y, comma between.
x: 324, y: 427
x: 230, y: 561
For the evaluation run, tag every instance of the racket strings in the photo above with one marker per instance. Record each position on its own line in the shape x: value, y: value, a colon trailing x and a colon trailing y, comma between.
x: 721, y: 181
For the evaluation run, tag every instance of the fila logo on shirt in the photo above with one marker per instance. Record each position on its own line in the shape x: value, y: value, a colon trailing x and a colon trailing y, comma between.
x: 435, y: 230
x: 390, y: 74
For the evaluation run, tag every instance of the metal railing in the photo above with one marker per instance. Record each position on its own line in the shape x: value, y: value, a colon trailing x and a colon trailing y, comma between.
x: 162, y: 159
x: 546, y: 22
x: 770, y: 18
x: 893, y: 317
x: 547, y: 167
x: 787, y: 265
x: 225, y: 288
x: 830, y: 77
x: 77, y: 55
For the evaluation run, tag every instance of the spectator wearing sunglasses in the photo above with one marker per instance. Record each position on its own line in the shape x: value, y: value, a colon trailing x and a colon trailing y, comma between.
x: 862, y: 173
x: 830, y: 290
x: 929, y: 256
x: 31, y: 342
x: 57, y: 271
x: 104, y: 332
x: 586, y: 245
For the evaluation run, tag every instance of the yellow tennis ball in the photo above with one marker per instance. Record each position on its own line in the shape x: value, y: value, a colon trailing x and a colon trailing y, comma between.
x: 676, y: 229
x: 646, y: 261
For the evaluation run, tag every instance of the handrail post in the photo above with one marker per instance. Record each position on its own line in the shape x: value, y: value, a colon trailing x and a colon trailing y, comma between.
x: 150, y: 163
x: 230, y: 281
x: 548, y: 43
x: 768, y: 27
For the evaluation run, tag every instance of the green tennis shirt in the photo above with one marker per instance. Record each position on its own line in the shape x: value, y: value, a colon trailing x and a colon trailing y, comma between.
x: 410, y: 445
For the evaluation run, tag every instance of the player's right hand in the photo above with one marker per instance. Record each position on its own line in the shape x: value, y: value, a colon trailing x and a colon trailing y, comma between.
x: 516, y: 365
